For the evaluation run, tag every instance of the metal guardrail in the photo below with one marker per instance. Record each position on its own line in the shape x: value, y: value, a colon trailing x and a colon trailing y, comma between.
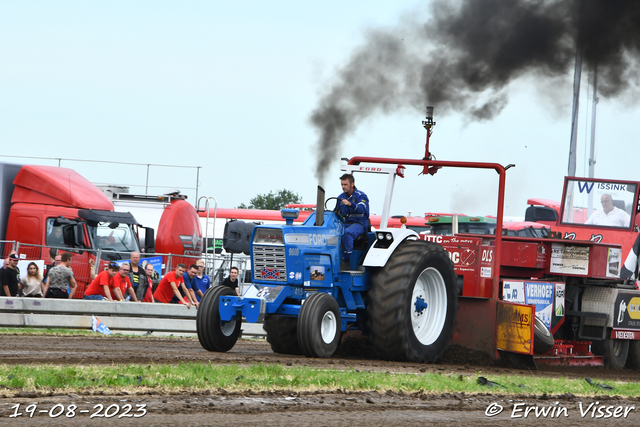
x: 17, y: 312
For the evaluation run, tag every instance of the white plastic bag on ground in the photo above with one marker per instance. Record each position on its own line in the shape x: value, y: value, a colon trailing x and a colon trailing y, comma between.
x: 98, y: 326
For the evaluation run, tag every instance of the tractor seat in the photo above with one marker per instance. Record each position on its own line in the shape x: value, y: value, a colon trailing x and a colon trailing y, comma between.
x: 360, y: 243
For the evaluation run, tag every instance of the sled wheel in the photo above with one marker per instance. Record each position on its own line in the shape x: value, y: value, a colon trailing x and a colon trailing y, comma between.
x: 214, y: 334
x: 542, y: 337
x: 614, y: 351
x: 319, y: 326
x: 413, y: 303
x: 633, y: 358
x: 282, y: 334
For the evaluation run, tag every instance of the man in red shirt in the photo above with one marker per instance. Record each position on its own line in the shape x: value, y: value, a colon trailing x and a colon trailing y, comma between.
x: 102, y: 286
x: 168, y: 292
x: 121, y: 280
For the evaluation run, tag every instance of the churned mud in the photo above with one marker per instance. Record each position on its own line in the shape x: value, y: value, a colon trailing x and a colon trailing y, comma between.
x: 321, y: 408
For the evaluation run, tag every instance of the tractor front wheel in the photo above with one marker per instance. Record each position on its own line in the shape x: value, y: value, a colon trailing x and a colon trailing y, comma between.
x: 213, y: 333
x: 282, y: 334
x: 413, y: 303
x: 319, y: 326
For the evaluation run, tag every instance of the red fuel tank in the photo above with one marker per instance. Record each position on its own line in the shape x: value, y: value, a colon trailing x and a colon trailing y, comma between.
x: 179, y: 230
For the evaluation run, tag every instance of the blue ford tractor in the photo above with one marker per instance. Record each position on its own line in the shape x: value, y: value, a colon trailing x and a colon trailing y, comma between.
x: 399, y: 290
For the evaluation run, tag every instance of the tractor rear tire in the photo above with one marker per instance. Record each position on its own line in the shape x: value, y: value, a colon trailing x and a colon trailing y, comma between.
x: 319, y: 326
x: 614, y: 351
x: 282, y: 334
x: 413, y: 303
x: 542, y: 337
x: 214, y: 334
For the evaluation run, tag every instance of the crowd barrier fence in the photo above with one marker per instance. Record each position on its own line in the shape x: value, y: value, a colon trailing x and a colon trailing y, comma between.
x: 18, y: 312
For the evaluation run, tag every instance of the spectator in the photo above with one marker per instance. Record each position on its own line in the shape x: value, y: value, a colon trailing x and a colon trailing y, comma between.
x: 609, y: 215
x: 103, y: 286
x: 55, y: 236
x: 53, y: 252
x: 137, y: 276
x: 92, y: 268
x: 149, y: 272
x: 168, y: 292
x: 189, y: 278
x: 31, y: 284
x: 121, y: 280
x: 9, y: 276
x: 56, y: 261
x: 232, y: 280
x: 202, y: 280
x: 152, y: 274
x: 6, y: 261
x: 60, y: 277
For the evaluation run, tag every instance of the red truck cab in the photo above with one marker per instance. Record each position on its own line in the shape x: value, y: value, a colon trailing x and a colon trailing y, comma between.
x: 581, y: 198
x: 57, y: 207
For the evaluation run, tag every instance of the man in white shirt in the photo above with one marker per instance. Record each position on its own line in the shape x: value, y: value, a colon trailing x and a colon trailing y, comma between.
x: 609, y: 215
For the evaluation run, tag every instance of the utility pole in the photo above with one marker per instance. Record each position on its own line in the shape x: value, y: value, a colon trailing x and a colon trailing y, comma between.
x: 592, y: 159
x: 576, y: 92
x: 574, y: 116
x: 592, y: 156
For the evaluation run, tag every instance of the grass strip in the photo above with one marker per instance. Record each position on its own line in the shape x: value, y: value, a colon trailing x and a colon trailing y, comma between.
x: 264, y: 377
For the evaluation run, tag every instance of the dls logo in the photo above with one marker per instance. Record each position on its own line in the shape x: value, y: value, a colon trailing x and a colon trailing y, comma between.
x: 487, y: 255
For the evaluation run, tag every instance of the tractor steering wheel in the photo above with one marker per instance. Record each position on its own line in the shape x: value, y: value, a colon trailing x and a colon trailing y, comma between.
x: 335, y: 208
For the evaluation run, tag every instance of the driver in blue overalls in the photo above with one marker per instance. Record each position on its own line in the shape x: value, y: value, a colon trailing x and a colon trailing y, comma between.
x: 354, y: 207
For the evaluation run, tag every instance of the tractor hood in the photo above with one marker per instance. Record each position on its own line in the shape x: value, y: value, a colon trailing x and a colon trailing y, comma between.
x: 50, y: 185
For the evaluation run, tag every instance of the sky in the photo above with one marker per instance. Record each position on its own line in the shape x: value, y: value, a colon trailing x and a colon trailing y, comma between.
x: 230, y: 87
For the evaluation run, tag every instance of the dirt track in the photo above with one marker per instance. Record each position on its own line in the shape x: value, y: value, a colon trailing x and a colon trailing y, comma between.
x: 334, y: 408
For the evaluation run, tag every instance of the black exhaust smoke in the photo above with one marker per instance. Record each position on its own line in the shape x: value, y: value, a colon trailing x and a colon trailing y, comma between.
x: 472, y: 50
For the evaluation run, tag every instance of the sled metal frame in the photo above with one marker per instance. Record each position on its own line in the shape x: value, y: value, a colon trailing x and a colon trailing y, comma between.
x: 476, y: 322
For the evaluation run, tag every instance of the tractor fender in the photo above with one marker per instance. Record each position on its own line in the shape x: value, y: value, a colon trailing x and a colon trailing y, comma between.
x: 378, y: 256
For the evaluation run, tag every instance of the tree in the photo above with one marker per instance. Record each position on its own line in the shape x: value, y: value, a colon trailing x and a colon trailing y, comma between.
x: 273, y: 201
